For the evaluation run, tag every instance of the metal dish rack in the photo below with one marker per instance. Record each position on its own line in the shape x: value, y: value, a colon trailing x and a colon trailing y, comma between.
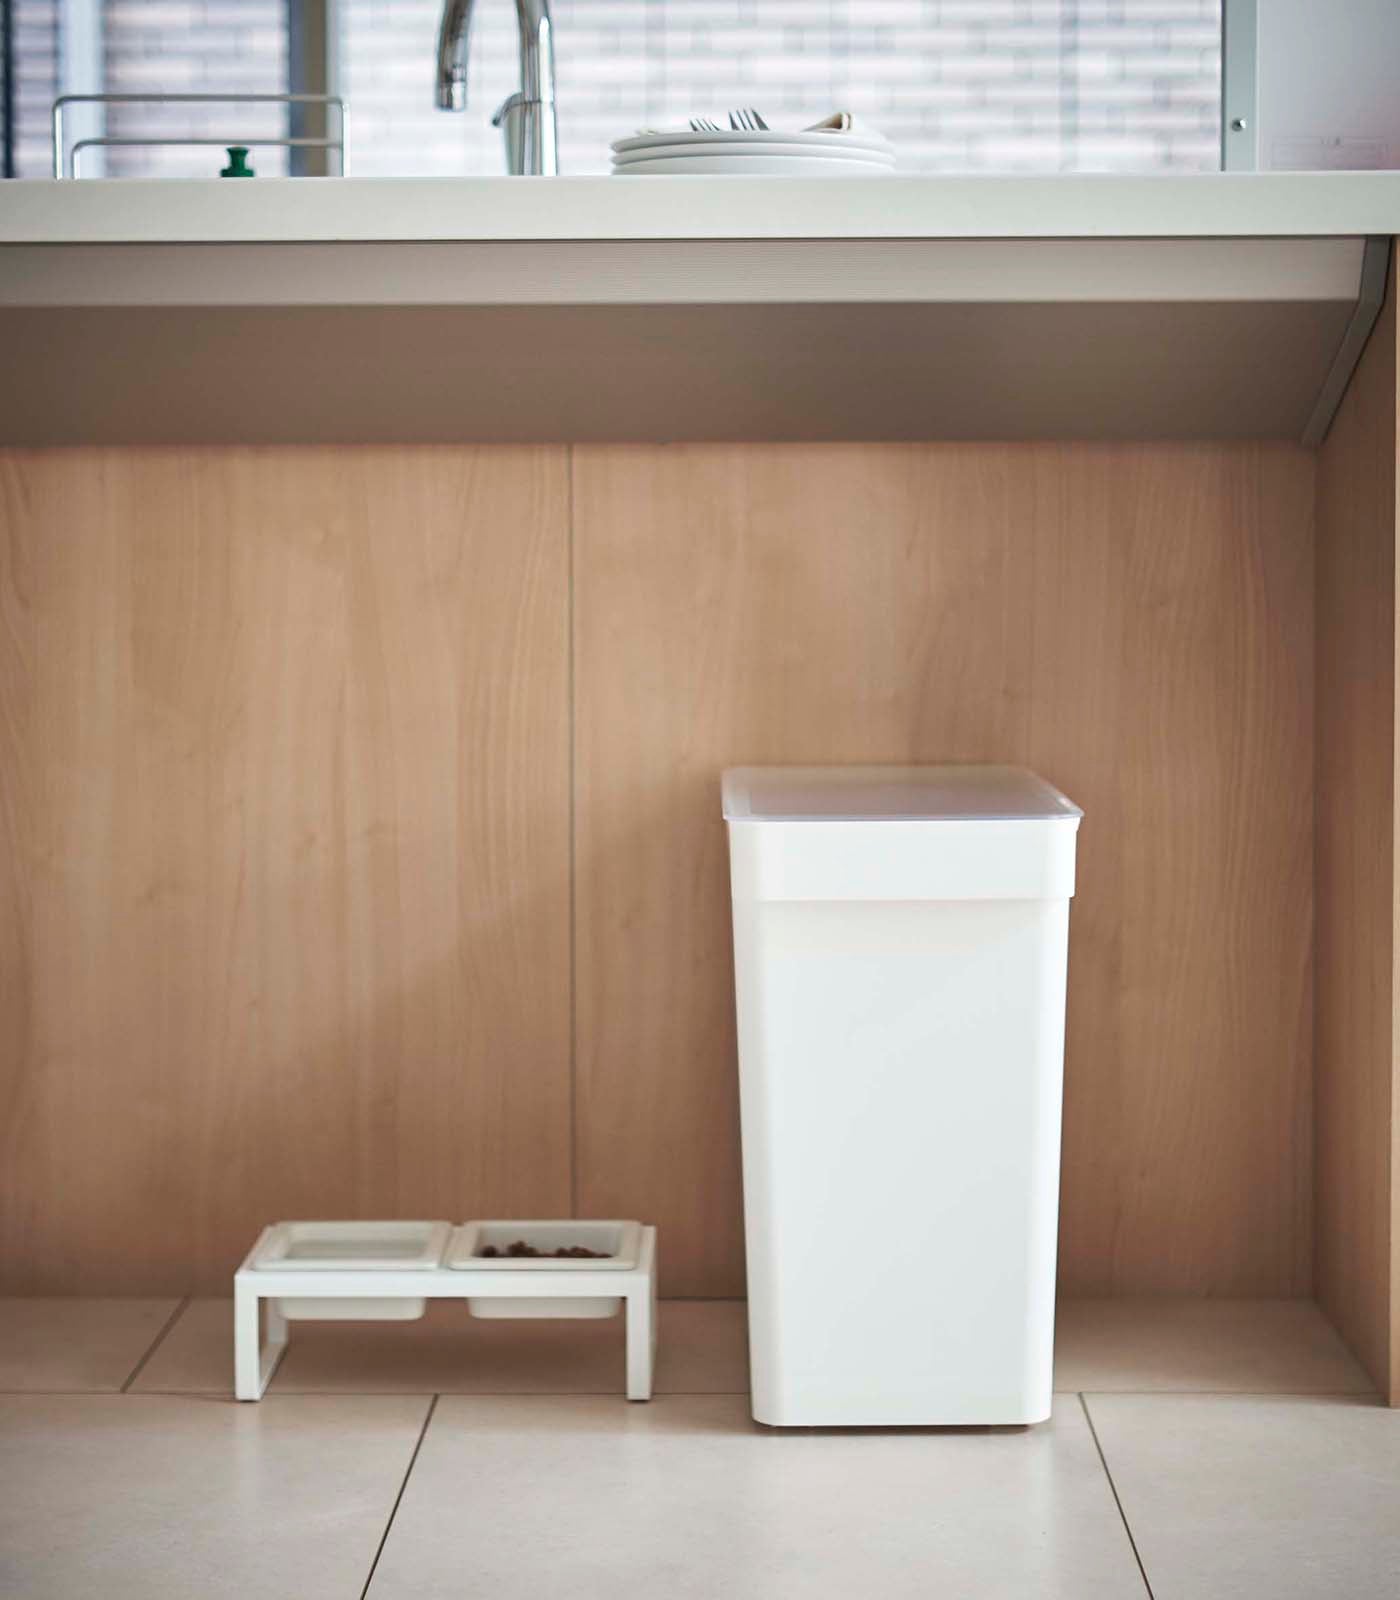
x: 65, y: 157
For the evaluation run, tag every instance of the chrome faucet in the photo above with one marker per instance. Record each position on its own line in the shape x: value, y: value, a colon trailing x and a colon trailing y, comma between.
x: 527, y: 121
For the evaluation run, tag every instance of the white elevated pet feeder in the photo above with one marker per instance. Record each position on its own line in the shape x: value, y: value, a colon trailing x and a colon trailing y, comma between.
x: 388, y: 1271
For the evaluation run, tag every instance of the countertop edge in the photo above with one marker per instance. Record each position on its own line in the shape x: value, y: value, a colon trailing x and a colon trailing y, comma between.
x: 302, y: 210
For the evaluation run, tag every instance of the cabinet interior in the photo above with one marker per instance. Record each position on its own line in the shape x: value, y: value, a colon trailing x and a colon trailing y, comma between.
x: 362, y: 853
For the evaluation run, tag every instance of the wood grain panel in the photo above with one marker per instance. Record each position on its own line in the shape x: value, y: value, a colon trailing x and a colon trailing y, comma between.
x: 284, y: 843
x: 285, y: 799
x: 1358, y: 1228
x: 1134, y: 621
x: 1173, y: 699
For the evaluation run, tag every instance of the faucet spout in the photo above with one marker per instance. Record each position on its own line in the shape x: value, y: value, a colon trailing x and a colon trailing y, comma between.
x: 528, y: 118
x: 450, y: 93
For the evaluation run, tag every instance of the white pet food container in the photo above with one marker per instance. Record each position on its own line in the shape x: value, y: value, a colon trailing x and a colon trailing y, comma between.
x: 619, y: 1242
x: 352, y: 1247
x: 900, y: 945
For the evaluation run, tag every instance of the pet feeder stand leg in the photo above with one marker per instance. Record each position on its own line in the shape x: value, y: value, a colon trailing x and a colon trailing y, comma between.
x: 640, y: 1300
x: 255, y: 1357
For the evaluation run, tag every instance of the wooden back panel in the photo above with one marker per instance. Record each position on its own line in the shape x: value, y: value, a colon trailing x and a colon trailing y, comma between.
x: 287, y: 860
x: 286, y: 850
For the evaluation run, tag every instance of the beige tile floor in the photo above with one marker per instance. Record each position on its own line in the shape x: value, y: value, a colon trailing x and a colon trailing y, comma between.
x: 135, y: 1496
x: 1211, y: 1450
x: 77, y: 1346
x: 1241, y: 1496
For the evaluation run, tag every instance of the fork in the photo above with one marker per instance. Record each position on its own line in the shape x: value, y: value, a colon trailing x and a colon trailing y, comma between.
x: 704, y: 125
x: 747, y: 120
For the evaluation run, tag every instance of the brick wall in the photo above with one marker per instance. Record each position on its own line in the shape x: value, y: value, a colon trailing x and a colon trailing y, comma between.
x: 1030, y: 85
x: 36, y: 37
x: 194, y: 47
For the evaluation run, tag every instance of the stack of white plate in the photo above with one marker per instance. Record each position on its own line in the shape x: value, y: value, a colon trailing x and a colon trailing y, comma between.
x: 747, y: 154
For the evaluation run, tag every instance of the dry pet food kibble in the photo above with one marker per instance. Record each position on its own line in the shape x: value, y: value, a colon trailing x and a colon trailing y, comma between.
x: 573, y: 1252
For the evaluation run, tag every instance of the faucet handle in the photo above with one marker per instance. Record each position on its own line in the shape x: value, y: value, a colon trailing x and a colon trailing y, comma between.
x: 511, y: 118
x: 506, y: 107
x: 528, y: 128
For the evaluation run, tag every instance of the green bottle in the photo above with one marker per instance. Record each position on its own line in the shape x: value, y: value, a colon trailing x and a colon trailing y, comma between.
x: 237, y: 163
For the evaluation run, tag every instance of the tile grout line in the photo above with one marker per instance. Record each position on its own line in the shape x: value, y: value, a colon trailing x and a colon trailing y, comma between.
x: 398, y: 1498
x: 1236, y: 1394
x: 156, y: 1343
x: 573, y: 864
x: 1113, y: 1488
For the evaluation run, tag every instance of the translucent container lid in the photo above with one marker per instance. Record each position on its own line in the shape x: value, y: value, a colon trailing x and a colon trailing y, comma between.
x: 891, y: 794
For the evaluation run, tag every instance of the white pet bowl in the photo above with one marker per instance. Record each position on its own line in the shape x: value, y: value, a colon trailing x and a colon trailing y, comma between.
x: 352, y: 1247
x: 622, y: 1242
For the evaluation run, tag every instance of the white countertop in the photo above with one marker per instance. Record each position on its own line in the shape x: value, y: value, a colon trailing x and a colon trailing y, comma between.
x: 304, y: 210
